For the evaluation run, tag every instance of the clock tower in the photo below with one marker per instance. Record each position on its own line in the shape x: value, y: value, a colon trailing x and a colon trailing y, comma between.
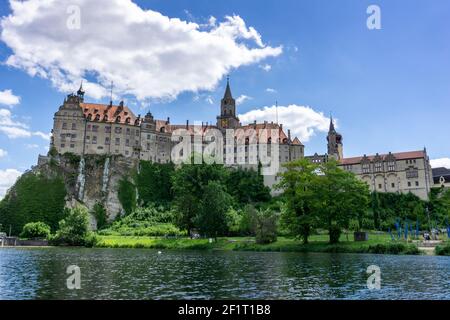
x: 227, y: 118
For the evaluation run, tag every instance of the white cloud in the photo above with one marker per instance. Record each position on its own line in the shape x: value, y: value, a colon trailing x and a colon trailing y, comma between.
x: 145, y: 53
x: 441, y: 162
x: 242, y: 98
x: 302, y: 120
x: 8, y: 98
x: 270, y: 90
x: 3, y: 153
x: 15, y: 129
x: 266, y: 67
x: 7, y: 179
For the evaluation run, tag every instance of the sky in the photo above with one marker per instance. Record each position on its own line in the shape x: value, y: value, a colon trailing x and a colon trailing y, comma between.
x: 387, y: 87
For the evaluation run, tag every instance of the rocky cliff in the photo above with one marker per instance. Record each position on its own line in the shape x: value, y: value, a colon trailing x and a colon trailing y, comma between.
x: 90, y: 179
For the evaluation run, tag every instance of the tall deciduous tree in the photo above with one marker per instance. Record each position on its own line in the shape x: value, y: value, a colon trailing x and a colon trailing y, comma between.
x: 212, y: 217
x: 297, y: 185
x: 338, y: 197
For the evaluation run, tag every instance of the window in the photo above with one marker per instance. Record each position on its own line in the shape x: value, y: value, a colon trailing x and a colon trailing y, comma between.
x: 378, y: 167
x: 409, y: 183
x: 95, y: 128
x: 412, y: 173
x: 366, y: 168
x: 118, y: 130
x: 380, y: 186
x: 417, y: 183
x: 63, y: 145
x: 117, y: 141
x: 108, y: 129
x: 148, y: 137
x: 393, y: 185
x: 391, y: 166
x: 127, y: 142
x: 72, y: 146
x: 64, y: 125
x: 94, y: 140
x: 88, y: 138
x: 63, y: 137
x: 88, y: 127
x: 128, y: 130
x: 74, y: 126
x: 107, y: 141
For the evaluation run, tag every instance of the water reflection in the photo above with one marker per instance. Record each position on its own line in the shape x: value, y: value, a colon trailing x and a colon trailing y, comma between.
x: 145, y: 274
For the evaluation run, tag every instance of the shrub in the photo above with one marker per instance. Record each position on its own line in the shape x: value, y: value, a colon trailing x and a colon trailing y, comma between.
x: 99, y: 213
x: 443, y: 250
x: 35, y: 230
x: 73, y: 230
x: 266, y: 227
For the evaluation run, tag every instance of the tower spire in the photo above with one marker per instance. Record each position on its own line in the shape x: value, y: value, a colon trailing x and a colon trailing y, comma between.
x: 331, y: 123
x: 228, y: 94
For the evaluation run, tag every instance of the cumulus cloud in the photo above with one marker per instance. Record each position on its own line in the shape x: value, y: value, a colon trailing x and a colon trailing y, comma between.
x: 271, y: 90
x: 303, y: 121
x: 8, y: 98
x: 3, y: 153
x: 14, y: 129
x: 145, y: 53
x: 7, y: 179
x: 441, y: 162
x: 242, y: 98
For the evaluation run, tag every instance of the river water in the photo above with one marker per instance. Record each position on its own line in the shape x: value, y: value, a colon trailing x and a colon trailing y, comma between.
x: 146, y: 274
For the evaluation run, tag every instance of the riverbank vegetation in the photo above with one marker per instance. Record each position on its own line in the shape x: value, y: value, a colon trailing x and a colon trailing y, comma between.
x: 165, y: 206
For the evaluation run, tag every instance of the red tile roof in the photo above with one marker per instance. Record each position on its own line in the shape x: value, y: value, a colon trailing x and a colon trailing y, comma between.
x: 297, y: 142
x: 398, y: 156
x: 107, y: 113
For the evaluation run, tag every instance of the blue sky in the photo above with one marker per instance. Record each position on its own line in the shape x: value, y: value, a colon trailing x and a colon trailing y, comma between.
x: 388, y: 88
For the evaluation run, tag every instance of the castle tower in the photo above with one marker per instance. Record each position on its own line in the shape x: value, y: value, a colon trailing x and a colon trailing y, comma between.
x: 80, y: 93
x: 334, y: 139
x: 227, y: 118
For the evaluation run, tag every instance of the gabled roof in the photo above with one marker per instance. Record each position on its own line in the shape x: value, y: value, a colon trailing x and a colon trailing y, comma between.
x: 398, y: 156
x: 297, y: 142
x: 441, y: 172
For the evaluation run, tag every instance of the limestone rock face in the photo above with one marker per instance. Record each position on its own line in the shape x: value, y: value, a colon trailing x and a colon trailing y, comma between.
x: 90, y: 180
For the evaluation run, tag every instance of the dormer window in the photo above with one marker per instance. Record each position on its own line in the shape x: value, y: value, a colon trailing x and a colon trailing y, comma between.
x: 105, y: 118
x: 89, y: 117
x: 127, y: 120
x: 118, y: 119
x: 97, y: 117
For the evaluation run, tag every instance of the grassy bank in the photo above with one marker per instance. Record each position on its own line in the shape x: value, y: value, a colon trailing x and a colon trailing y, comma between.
x: 379, y: 244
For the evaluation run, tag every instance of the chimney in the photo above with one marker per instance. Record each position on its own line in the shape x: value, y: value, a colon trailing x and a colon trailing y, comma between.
x: 289, y: 134
x: 187, y: 124
x: 168, y: 120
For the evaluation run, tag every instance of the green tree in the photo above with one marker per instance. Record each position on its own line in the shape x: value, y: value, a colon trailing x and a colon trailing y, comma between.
x: 338, y: 197
x: 212, y: 218
x: 34, y: 197
x: 189, y: 185
x: 297, y: 185
x: 154, y: 183
x: 99, y: 213
x: 33, y: 230
x: 247, y: 186
x: 127, y: 195
x: 265, y: 227
x: 74, y: 229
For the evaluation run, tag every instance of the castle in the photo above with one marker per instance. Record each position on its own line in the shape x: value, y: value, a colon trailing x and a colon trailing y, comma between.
x: 400, y: 172
x: 86, y: 128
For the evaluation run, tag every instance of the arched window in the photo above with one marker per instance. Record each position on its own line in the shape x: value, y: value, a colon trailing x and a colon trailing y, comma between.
x: 127, y: 120
x: 118, y: 119
x: 97, y: 117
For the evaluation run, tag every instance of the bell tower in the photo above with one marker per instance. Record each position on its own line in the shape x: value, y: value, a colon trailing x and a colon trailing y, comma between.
x: 227, y: 118
x: 335, y: 146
